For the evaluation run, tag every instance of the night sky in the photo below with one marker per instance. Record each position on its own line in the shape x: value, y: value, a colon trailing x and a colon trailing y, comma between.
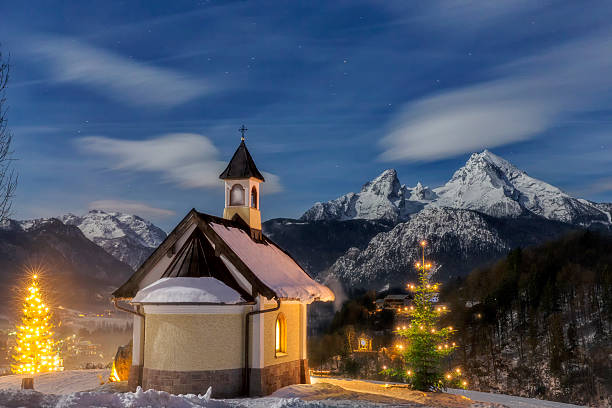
x: 135, y: 106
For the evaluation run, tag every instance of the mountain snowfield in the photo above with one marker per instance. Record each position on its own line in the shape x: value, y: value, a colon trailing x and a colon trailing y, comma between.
x: 128, y: 238
x: 487, y: 183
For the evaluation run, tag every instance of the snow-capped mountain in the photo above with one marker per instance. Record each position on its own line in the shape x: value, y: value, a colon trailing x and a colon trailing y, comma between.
x: 383, y: 198
x: 128, y: 238
x: 491, y: 185
x: 488, y: 207
x: 458, y: 240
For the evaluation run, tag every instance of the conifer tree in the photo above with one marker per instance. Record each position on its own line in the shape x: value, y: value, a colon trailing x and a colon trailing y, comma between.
x: 424, y: 344
x: 35, y: 351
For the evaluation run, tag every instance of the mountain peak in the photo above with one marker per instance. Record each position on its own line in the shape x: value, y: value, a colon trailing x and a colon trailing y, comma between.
x: 492, y: 185
x: 386, y: 184
x: 383, y: 198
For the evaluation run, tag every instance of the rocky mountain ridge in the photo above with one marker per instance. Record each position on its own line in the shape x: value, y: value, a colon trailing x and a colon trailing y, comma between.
x: 382, y: 199
x: 129, y: 238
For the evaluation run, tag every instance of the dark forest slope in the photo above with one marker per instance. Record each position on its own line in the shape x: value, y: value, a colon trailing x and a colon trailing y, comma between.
x: 539, y: 322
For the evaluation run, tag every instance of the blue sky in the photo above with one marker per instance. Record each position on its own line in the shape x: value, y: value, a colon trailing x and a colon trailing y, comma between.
x: 135, y: 105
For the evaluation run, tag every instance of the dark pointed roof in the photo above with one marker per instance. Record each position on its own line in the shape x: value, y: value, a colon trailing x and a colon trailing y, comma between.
x: 197, y: 259
x: 241, y: 166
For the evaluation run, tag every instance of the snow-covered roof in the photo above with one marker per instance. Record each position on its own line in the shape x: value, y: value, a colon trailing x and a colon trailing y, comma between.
x: 188, y: 290
x: 276, y: 269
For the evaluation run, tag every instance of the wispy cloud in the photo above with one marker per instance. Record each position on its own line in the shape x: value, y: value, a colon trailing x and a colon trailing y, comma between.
x: 527, y: 97
x: 130, y: 207
x: 187, y: 159
x: 113, y: 75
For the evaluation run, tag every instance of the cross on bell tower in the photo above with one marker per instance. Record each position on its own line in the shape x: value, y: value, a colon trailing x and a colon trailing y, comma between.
x: 243, y: 131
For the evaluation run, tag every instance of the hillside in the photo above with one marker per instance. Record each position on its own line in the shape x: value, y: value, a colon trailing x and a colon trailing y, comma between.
x: 539, y: 322
x: 71, y: 263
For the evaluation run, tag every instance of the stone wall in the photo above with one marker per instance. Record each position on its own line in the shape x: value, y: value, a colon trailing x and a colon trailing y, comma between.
x: 264, y: 381
x: 224, y: 383
x: 135, y: 377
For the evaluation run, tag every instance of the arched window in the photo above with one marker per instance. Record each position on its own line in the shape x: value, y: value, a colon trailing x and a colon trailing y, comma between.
x: 254, y: 197
x: 280, y: 335
x: 237, y: 195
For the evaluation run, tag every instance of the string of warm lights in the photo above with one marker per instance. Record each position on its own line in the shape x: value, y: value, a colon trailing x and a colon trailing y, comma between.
x: 425, y: 343
x: 35, y: 350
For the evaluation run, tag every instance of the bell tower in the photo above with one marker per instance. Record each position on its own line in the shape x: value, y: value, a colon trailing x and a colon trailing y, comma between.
x: 242, y: 180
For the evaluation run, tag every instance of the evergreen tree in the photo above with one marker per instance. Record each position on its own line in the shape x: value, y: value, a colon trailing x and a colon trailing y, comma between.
x: 426, y: 345
x: 35, y: 351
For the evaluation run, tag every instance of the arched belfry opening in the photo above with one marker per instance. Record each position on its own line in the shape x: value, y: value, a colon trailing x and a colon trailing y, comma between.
x: 254, y: 197
x: 236, y: 195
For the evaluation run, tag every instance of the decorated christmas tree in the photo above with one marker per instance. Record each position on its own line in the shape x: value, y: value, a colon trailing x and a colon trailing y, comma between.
x: 424, y: 345
x: 35, y: 350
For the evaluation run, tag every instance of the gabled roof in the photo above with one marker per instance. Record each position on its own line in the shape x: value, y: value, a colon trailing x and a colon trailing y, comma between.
x: 241, y: 166
x: 196, y: 259
x: 270, y: 271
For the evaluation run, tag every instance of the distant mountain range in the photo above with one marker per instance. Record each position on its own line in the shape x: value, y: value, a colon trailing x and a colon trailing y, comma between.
x: 128, y: 238
x: 488, y: 207
x: 367, y: 239
x: 486, y: 183
x: 85, y: 256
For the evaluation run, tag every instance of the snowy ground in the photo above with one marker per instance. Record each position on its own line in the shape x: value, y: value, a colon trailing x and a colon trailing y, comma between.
x: 399, y: 391
x: 82, y: 388
x: 64, y: 382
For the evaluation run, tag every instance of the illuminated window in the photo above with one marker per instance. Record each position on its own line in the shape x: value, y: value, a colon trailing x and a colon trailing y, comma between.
x: 280, y: 344
x: 254, y: 197
x: 237, y: 195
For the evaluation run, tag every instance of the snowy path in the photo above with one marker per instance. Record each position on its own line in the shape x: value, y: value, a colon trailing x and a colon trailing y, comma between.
x: 64, y: 382
x: 510, y: 400
x: 476, y: 396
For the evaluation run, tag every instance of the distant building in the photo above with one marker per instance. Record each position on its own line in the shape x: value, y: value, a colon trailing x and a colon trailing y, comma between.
x: 393, y: 302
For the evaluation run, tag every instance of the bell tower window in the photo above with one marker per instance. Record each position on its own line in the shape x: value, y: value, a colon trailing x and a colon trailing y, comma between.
x: 237, y: 195
x: 254, y: 197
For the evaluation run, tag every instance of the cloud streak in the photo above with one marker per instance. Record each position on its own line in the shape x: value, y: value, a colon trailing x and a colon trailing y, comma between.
x: 130, y: 207
x: 114, y: 76
x: 189, y: 160
x: 527, y: 98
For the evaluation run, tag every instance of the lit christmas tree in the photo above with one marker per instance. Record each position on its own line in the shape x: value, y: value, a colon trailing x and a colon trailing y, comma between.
x: 35, y: 351
x: 425, y: 344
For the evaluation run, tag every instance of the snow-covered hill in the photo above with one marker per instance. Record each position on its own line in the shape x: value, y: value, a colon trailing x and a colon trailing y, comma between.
x: 491, y: 185
x: 383, y: 199
x: 128, y: 238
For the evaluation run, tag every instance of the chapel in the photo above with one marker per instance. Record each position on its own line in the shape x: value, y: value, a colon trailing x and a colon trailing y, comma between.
x: 218, y: 304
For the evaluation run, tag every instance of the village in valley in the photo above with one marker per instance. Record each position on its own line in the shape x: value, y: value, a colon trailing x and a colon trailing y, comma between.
x: 201, y: 205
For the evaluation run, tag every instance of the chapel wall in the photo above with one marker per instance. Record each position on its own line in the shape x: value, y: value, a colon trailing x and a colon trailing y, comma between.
x: 194, y: 342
